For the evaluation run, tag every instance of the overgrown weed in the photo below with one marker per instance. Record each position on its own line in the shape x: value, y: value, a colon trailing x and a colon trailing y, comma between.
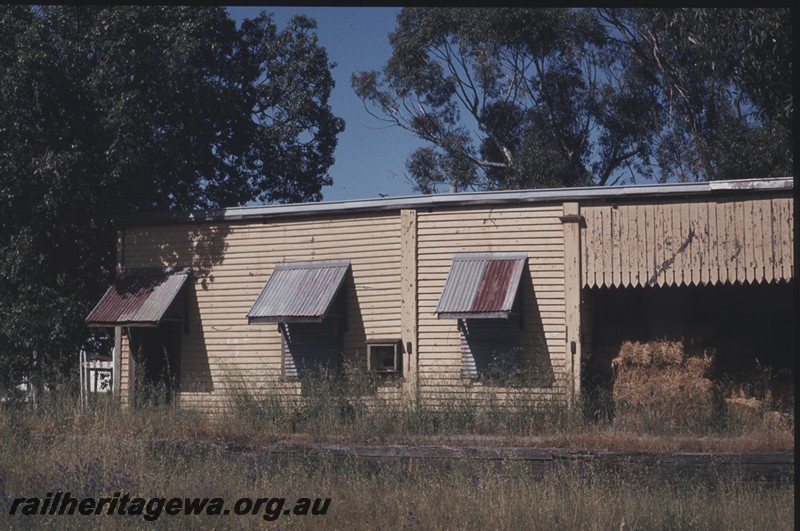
x: 347, y: 408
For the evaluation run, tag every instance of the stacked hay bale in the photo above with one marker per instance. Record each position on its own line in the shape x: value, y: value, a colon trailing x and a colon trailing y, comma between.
x: 744, y: 410
x: 658, y: 384
x: 768, y: 403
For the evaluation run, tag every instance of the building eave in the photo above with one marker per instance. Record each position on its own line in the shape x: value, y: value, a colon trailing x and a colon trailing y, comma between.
x: 280, y: 211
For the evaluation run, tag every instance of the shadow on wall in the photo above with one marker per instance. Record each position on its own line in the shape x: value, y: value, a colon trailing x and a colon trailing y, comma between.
x: 509, y: 351
x: 202, y: 247
x: 339, y: 343
x: 537, y: 356
x: 196, y: 377
x: 355, y: 336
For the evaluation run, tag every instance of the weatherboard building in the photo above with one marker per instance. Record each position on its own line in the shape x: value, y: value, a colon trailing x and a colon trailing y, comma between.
x: 433, y: 294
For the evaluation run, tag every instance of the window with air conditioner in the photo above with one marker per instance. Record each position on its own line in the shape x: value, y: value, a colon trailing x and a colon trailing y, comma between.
x: 384, y: 358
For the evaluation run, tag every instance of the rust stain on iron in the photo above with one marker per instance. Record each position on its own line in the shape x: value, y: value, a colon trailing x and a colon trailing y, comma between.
x: 481, y: 285
x: 493, y: 286
x: 138, y: 298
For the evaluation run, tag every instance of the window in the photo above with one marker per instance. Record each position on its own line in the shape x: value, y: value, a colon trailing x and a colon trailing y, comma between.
x: 307, y: 301
x: 311, y: 349
x: 490, y: 349
x: 482, y: 293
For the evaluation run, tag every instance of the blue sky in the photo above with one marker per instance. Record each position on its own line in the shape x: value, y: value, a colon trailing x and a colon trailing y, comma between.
x: 370, y: 157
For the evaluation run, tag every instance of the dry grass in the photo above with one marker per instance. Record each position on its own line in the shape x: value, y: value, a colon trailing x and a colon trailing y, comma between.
x: 107, y: 449
x: 371, y: 495
x: 337, y: 412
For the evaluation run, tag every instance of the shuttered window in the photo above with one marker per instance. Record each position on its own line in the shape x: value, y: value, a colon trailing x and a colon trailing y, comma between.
x: 490, y: 348
x: 302, y: 297
x: 311, y: 348
x: 481, y: 292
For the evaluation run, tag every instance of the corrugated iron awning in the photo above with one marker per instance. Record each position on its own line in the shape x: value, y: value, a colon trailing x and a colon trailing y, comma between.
x: 299, y: 292
x: 138, y: 298
x: 481, y: 286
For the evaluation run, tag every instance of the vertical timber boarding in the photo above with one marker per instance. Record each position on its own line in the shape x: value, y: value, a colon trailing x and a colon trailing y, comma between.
x: 572, y: 294
x: 688, y: 241
x: 408, y: 304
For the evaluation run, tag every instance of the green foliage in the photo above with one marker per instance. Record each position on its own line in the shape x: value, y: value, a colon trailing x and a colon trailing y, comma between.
x: 724, y: 79
x: 511, y: 98
x: 110, y: 111
x: 535, y: 97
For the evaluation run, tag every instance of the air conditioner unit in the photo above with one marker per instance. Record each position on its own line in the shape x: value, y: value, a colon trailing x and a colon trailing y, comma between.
x: 384, y: 358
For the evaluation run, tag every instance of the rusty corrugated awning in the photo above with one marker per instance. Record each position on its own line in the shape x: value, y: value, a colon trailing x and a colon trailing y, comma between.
x: 481, y: 286
x: 299, y: 292
x: 138, y: 298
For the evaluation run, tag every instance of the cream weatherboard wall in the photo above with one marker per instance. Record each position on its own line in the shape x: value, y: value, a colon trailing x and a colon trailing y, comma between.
x: 232, y: 261
x: 535, y: 230
x: 222, y: 353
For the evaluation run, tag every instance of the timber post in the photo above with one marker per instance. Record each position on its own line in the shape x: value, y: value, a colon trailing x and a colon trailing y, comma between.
x: 571, y: 221
x: 116, y: 374
x: 408, y: 304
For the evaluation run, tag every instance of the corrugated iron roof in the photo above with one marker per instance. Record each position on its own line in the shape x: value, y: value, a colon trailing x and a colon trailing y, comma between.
x: 299, y: 292
x: 138, y: 298
x: 481, y: 285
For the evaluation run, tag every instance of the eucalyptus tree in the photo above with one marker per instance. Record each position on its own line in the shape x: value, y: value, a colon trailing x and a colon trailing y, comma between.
x: 724, y: 78
x: 513, y: 98
x: 535, y: 97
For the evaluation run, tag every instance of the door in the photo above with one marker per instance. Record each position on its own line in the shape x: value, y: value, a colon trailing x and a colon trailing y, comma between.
x: 156, y: 355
